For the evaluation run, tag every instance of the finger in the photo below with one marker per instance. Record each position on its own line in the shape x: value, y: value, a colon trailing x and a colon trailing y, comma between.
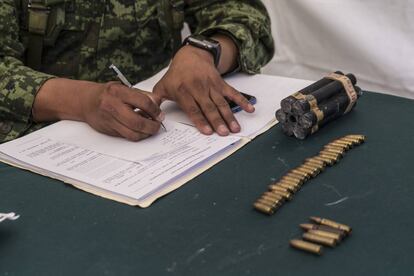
x: 136, y: 99
x: 191, y: 108
x: 225, y: 112
x: 130, y: 119
x: 127, y: 133
x: 237, y: 98
x: 213, y: 115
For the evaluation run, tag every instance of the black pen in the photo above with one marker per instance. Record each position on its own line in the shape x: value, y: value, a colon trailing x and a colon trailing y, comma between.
x: 125, y: 81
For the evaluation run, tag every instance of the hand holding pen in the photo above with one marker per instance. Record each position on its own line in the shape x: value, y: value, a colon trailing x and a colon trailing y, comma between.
x: 125, y: 81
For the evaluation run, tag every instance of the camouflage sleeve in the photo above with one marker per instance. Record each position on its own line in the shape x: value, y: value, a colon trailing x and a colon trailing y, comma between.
x: 18, y: 83
x: 246, y: 21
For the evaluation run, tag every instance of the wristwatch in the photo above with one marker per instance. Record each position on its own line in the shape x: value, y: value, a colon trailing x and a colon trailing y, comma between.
x: 210, y: 45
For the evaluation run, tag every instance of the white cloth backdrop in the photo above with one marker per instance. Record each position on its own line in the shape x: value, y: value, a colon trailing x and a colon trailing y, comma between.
x: 374, y: 39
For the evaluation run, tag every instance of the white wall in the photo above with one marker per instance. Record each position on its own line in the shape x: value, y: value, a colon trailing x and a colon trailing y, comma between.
x: 374, y: 39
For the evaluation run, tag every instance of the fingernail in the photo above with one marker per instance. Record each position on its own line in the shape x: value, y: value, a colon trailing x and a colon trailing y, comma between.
x: 161, y: 117
x: 223, y: 130
x: 251, y: 107
x: 235, y: 127
x: 207, y: 130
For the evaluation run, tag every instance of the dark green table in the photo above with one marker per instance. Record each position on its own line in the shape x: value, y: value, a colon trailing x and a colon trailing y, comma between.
x: 208, y: 226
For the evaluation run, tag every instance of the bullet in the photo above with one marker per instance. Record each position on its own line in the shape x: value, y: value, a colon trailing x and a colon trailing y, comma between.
x: 307, y: 176
x: 318, y: 159
x: 271, y: 201
x: 291, y: 182
x: 325, y: 234
x: 305, y: 172
x: 263, y: 208
x: 291, y: 188
x: 311, y: 172
x: 336, y: 147
x: 285, y: 195
x: 307, y: 246
x: 315, y: 161
x: 332, y: 224
x: 275, y: 197
x: 319, y: 239
x: 309, y: 226
x: 330, y: 155
x: 295, y: 186
x: 315, y: 169
x: 345, y: 144
x: 355, y: 142
x: 340, y: 153
x: 316, y: 165
x: 328, y: 160
x: 360, y: 137
x: 295, y: 177
x: 276, y: 187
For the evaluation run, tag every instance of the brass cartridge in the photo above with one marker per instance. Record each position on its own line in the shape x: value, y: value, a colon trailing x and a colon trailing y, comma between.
x: 263, y: 208
x: 302, y: 173
x: 311, y: 167
x: 336, y: 147
x: 345, y: 144
x: 290, y: 188
x: 360, y: 137
x: 307, y: 246
x: 355, y: 142
x: 273, y: 196
x: 319, y: 239
x: 339, y: 153
x: 327, y: 161
x: 321, y: 164
x: 290, y: 181
x: 332, y: 224
x: 276, y: 187
x: 286, y: 195
x: 326, y: 234
x: 294, y: 177
x: 268, y: 202
x: 319, y: 167
x: 333, y: 158
x: 309, y: 226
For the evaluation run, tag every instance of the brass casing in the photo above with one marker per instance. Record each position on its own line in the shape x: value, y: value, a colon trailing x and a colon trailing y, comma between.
x: 306, y: 246
x: 286, y: 195
x: 263, y: 208
x: 273, y: 196
x: 332, y: 224
x: 294, y: 177
x: 319, y: 239
x: 276, y: 187
x: 326, y: 234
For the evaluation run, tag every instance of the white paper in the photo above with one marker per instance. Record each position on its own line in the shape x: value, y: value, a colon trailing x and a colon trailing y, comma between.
x: 176, y: 139
x: 135, y: 180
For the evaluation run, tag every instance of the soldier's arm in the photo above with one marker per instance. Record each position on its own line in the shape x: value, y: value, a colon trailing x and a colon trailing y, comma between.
x: 246, y: 22
x: 18, y: 83
x: 193, y: 81
x: 29, y: 97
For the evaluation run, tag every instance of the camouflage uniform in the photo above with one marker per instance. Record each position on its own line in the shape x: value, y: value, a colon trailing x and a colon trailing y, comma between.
x: 133, y: 34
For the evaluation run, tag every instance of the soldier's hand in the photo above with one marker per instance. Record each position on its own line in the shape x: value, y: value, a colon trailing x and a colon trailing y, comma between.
x: 196, y: 85
x: 109, y: 108
x: 114, y: 112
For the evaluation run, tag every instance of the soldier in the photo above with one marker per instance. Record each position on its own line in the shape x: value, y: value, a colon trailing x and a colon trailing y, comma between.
x: 55, y: 54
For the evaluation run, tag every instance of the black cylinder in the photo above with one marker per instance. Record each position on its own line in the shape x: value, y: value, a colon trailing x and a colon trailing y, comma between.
x: 300, y: 107
x: 287, y: 103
